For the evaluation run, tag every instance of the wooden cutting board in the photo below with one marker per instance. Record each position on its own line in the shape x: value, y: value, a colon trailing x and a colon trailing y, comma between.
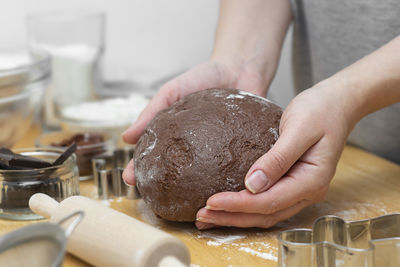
x: 364, y: 186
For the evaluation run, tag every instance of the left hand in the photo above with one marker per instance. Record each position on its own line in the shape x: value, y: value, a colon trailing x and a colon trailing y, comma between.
x: 296, y: 172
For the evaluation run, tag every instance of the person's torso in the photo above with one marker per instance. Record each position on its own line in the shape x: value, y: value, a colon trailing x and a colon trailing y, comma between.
x: 330, y: 35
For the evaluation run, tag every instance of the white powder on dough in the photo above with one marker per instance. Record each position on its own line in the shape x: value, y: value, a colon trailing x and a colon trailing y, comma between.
x: 274, y: 131
x: 232, y: 96
x: 153, y: 144
x: 244, y: 93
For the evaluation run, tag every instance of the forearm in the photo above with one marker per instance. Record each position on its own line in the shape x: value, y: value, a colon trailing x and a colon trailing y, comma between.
x: 250, y: 35
x: 371, y: 83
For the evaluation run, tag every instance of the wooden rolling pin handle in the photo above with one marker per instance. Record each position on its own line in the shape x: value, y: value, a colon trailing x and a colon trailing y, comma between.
x: 106, y: 237
x: 43, y: 205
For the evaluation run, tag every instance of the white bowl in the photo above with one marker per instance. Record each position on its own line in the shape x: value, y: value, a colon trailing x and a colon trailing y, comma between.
x: 22, y: 87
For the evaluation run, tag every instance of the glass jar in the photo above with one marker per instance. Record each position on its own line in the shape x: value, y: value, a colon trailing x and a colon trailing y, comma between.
x: 17, y: 186
x: 75, y: 41
x: 84, y: 153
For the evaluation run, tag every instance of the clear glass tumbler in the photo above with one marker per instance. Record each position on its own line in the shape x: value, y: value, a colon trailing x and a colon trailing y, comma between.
x: 75, y: 42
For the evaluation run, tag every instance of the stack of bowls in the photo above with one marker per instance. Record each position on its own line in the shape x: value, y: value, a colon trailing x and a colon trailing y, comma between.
x: 23, y: 80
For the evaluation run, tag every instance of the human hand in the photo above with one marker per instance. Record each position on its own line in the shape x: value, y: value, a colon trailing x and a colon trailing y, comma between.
x: 296, y: 172
x: 212, y: 74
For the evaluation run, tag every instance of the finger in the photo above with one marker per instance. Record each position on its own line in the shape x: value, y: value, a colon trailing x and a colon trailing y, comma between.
x: 128, y: 174
x: 277, y: 161
x: 285, y: 193
x: 204, y: 226
x: 165, y: 96
x: 239, y: 219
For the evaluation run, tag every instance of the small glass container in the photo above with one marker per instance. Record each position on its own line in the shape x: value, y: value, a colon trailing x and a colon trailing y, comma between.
x: 75, y: 41
x: 17, y: 186
x: 84, y: 153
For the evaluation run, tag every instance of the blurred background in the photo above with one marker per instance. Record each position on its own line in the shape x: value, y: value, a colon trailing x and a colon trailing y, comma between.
x: 166, y: 37
x: 92, y: 66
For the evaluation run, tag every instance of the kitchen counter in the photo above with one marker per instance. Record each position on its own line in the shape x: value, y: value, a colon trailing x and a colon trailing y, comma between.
x: 364, y: 186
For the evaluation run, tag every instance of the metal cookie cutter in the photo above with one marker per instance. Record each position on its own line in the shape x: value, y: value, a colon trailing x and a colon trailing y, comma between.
x: 39, y: 245
x: 107, y: 175
x: 333, y: 242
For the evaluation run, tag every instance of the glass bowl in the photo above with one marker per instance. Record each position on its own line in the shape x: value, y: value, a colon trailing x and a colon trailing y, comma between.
x: 17, y: 186
x: 22, y: 84
x: 112, y: 116
x: 84, y: 153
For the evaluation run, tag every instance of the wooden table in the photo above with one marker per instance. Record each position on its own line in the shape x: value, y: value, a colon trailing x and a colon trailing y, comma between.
x: 364, y: 186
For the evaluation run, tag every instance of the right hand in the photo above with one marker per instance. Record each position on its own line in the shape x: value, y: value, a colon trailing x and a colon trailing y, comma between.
x: 212, y: 74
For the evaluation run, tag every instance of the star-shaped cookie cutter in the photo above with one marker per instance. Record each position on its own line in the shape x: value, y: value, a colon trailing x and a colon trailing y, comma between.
x: 334, y: 242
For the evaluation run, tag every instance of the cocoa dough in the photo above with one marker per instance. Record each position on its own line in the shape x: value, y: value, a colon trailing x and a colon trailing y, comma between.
x: 201, y: 145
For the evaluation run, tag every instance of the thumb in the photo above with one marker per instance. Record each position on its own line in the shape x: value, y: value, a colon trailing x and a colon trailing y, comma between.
x: 270, y: 167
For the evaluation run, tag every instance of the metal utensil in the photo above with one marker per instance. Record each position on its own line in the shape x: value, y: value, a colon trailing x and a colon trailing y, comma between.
x: 41, y: 244
x: 333, y: 242
x: 107, y: 175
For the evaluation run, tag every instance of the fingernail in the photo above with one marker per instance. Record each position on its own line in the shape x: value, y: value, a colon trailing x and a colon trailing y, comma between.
x: 204, y: 220
x: 212, y: 208
x: 127, y: 184
x: 127, y: 130
x: 204, y: 226
x: 257, y: 181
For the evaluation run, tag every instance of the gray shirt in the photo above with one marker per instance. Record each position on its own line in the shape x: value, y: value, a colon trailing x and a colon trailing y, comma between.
x: 330, y: 35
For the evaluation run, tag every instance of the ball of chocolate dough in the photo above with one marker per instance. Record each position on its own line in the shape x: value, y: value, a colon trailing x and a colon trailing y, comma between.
x: 201, y: 145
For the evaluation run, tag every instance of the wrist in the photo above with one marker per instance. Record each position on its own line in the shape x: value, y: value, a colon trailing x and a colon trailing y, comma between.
x: 369, y: 84
x: 256, y: 68
x: 347, y: 104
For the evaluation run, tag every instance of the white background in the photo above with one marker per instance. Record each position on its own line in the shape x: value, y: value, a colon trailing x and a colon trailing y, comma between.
x: 172, y: 35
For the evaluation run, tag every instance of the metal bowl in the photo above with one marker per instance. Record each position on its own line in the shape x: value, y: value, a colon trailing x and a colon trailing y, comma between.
x: 22, y: 85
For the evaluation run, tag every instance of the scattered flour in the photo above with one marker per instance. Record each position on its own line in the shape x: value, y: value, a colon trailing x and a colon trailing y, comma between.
x: 264, y: 255
x: 259, y: 249
x: 354, y: 210
x: 218, y: 240
x: 213, y: 243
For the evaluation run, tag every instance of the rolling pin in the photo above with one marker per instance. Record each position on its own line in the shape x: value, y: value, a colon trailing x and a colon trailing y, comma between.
x: 106, y: 237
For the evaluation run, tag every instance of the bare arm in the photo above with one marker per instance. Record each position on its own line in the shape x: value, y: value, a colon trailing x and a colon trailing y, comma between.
x: 249, y: 36
x: 246, y: 52
x: 297, y: 170
x: 371, y: 83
